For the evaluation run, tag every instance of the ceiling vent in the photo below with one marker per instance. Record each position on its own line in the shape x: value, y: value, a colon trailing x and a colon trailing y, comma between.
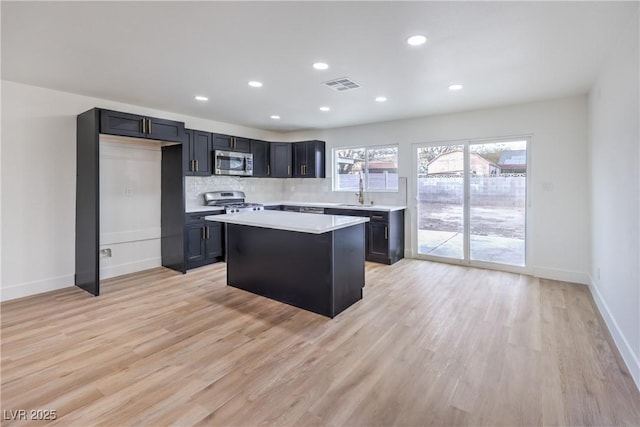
x: 342, y: 84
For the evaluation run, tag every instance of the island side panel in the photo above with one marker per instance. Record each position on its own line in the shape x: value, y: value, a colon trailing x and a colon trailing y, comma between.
x: 348, y: 266
x: 287, y: 266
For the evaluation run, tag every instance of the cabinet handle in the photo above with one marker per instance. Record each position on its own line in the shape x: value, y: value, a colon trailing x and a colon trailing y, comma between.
x: 233, y: 142
x: 377, y: 217
x: 144, y: 126
x: 207, y: 233
x: 148, y: 125
x: 268, y: 170
x: 288, y: 170
x: 301, y: 169
x: 204, y: 233
x: 386, y: 233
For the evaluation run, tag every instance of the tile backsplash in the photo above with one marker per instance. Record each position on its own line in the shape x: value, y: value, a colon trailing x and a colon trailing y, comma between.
x: 260, y: 190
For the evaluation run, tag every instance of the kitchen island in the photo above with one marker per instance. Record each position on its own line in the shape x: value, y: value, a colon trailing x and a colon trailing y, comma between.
x: 315, y: 262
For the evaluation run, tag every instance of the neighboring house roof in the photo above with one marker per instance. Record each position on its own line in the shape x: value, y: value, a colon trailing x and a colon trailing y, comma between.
x: 383, y: 164
x: 458, y: 153
x: 513, y: 159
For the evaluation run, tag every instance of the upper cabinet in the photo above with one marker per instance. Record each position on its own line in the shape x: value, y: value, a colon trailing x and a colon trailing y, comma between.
x: 125, y: 124
x: 308, y: 159
x: 197, y: 145
x: 260, y: 151
x: 280, y: 159
x: 231, y: 143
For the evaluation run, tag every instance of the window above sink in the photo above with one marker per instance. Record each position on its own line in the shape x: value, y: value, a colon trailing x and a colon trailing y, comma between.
x: 376, y: 166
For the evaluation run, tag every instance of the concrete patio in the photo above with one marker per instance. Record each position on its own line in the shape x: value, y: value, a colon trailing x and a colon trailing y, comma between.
x: 502, y: 250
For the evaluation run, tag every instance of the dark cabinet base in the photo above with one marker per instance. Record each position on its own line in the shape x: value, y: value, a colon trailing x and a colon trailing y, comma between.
x: 323, y: 273
x: 203, y: 241
x: 384, y: 233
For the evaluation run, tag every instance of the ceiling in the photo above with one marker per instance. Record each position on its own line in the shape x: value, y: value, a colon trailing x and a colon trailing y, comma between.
x: 161, y: 54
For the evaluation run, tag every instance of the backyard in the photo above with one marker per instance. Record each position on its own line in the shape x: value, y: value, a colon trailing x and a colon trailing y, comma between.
x: 497, y: 218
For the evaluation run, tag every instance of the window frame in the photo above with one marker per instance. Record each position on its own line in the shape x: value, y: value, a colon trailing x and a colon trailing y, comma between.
x: 366, y: 148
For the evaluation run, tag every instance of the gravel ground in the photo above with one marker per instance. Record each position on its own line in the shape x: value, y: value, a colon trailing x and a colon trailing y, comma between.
x: 499, y: 221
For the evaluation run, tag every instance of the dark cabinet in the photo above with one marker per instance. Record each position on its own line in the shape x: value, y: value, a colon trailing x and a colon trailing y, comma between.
x: 194, y: 249
x: 126, y: 124
x: 308, y: 159
x: 280, y: 159
x: 198, y: 146
x: 384, y: 233
x: 203, y: 241
x: 260, y: 151
x: 378, y: 236
x: 231, y: 143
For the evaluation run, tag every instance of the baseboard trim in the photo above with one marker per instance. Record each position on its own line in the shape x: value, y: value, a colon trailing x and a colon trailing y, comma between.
x: 130, y: 267
x: 36, y: 287
x: 628, y: 356
x: 561, y: 275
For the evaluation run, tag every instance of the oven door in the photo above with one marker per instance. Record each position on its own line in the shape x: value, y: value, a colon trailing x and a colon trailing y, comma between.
x: 231, y: 163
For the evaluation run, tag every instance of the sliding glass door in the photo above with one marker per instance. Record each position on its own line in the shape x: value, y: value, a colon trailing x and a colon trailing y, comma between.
x: 441, y: 201
x: 471, y: 202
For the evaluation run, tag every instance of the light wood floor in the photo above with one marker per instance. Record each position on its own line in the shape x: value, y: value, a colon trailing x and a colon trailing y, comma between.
x: 430, y: 344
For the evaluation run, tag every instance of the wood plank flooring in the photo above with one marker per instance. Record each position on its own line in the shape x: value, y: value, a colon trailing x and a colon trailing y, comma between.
x: 430, y: 344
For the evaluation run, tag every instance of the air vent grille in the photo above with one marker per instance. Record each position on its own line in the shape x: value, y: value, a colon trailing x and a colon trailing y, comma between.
x: 342, y: 84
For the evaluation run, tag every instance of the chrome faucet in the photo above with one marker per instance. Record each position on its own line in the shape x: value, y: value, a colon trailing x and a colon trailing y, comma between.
x: 360, y: 192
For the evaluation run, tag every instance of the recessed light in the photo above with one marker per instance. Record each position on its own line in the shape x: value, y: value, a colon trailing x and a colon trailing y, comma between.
x: 275, y: 117
x: 254, y: 83
x: 416, y: 40
x: 381, y: 99
x: 455, y: 87
x: 320, y: 66
x: 325, y: 108
x: 201, y: 98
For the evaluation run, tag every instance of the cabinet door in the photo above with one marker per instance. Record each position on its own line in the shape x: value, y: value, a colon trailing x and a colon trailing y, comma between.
x: 201, y: 153
x: 124, y: 124
x: 280, y: 159
x: 166, y: 130
x: 260, y: 151
x: 231, y: 143
x: 243, y: 145
x: 308, y: 159
x: 213, y: 239
x: 315, y: 159
x: 221, y: 142
x: 187, y: 146
x: 299, y: 159
x: 378, y: 245
x: 194, y: 251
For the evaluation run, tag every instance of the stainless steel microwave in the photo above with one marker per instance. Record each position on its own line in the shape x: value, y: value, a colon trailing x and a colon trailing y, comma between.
x: 232, y: 163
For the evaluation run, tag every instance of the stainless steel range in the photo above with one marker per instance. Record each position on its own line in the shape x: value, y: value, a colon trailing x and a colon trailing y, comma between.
x: 231, y: 201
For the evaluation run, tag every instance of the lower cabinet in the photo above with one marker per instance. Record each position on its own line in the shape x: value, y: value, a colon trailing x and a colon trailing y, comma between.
x: 203, y: 241
x: 384, y: 233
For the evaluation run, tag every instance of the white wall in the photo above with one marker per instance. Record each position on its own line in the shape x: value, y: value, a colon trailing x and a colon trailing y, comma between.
x: 559, y: 234
x: 615, y: 195
x: 130, y: 196
x: 38, y: 182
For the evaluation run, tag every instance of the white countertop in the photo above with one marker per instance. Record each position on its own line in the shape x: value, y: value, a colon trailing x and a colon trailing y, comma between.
x: 290, y: 221
x: 382, y: 208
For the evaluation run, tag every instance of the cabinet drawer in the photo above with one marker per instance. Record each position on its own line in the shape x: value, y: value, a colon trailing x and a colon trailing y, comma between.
x: 194, y: 217
x: 379, y: 216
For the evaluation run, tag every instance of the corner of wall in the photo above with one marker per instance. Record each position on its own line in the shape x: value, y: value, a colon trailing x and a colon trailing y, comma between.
x: 623, y: 345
